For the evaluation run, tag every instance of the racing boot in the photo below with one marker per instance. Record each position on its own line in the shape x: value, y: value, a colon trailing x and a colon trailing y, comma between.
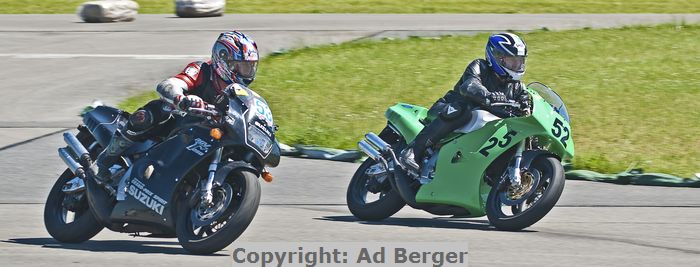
x: 412, y: 157
x: 109, y: 157
x: 408, y: 160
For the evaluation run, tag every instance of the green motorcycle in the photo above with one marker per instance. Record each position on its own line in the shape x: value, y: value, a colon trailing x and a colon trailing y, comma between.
x: 505, y: 163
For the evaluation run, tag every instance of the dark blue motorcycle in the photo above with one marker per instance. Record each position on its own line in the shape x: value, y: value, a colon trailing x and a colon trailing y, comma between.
x: 199, y: 183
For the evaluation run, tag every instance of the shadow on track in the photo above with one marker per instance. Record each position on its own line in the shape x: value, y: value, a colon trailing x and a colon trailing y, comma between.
x: 439, y: 222
x: 135, y: 246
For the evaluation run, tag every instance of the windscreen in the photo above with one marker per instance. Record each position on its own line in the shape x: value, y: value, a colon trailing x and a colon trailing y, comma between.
x: 551, y: 97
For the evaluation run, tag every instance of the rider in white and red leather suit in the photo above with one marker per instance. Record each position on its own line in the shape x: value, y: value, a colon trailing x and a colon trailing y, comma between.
x: 234, y: 60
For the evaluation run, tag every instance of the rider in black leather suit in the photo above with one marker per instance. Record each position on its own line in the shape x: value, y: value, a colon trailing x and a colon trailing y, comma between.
x: 485, y: 81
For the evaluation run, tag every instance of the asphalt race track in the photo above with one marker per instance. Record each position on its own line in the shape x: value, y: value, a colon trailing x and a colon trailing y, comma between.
x: 53, y: 65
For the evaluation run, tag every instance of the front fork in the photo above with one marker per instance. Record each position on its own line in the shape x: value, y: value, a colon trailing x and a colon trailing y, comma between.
x: 207, y: 195
x: 514, y: 169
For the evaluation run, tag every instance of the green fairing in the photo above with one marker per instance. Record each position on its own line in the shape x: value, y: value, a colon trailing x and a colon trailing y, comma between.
x: 460, y: 182
x: 406, y: 119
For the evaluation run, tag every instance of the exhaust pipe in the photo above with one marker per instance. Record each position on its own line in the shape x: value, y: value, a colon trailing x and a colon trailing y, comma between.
x: 78, y: 148
x: 369, y: 150
x: 100, y: 202
x: 374, y: 154
x: 399, y: 181
x: 377, y: 142
x: 73, y: 165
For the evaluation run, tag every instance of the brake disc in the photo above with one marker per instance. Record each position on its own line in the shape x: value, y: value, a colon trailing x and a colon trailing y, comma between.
x: 515, y: 196
x: 204, y: 215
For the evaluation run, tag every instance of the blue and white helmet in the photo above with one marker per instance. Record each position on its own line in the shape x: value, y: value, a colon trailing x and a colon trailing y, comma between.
x: 506, y: 54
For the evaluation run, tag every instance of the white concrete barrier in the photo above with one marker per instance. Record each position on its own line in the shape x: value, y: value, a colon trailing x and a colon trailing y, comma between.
x: 108, y: 11
x: 199, y: 8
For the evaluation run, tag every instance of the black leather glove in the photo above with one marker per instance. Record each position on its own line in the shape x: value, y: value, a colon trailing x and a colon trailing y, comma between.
x: 524, y: 99
x: 497, y: 97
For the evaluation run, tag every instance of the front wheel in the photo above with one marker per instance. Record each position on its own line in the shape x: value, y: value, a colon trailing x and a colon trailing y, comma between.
x: 513, y: 210
x: 205, y: 229
x: 370, y: 195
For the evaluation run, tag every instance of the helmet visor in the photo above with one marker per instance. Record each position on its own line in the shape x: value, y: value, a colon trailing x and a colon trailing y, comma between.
x: 514, y: 63
x: 245, y: 69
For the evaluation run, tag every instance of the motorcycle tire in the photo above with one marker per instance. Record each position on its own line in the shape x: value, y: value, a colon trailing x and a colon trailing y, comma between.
x: 552, y: 175
x: 238, y: 215
x: 84, y: 225
x: 381, y: 209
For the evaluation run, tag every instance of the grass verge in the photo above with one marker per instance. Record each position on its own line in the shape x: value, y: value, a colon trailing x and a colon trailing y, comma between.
x: 632, y: 92
x: 383, y: 6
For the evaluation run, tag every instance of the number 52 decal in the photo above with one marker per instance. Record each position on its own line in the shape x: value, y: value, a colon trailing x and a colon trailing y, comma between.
x: 560, y: 131
x: 493, y: 141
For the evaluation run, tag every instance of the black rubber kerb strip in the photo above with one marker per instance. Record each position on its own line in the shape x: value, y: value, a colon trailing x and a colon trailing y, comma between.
x: 33, y: 139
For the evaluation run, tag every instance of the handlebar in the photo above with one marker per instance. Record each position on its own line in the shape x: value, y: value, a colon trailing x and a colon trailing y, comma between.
x: 510, y: 103
x: 498, y: 110
x: 209, y: 110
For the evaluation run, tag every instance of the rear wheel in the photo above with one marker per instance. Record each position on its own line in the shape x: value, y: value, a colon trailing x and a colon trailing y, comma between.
x: 512, y: 210
x: 205, y: 229
x: 370, y: 196
x: 67, y: 216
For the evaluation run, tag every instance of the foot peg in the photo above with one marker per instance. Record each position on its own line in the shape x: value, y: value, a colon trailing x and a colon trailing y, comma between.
x: 409, y: 161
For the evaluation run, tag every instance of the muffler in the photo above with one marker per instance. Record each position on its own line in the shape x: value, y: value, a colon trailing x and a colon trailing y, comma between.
x: 399, y: 181
x: 73, y: 165
x: 377, y: 142
x: 79, y: 150
x: 369, y: 150
x: 100, y: 202
x: 379, y: 151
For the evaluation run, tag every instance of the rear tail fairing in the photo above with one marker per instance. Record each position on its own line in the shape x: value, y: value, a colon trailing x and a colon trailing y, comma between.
x: 405, y: 118
x: 103, y: 121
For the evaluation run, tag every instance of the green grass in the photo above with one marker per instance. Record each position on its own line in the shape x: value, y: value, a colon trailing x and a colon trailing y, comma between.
x: 385, y: 6
x: 633, y: 93
x: 70, y: 6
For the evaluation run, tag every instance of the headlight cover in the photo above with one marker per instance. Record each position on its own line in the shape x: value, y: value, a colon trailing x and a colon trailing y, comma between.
x: 259, y: 139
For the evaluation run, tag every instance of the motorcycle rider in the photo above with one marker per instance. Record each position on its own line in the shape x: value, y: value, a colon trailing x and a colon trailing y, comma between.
x: 234, y: 59
x: 491, y: 80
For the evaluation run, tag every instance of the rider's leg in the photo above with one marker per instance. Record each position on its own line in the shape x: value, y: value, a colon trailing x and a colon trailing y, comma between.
x: 452, y: 116
x: 141, y: 126
x: 110, y: 156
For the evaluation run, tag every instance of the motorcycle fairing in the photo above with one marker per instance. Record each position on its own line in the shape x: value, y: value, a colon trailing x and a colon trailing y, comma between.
x: 463, y: 185
x: 461, y: 164
x: 249, y: 108
x: 150, y: 198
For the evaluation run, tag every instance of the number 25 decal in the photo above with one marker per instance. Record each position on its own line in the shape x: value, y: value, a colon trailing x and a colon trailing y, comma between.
x: 560, y: 131
x: 493, y: 141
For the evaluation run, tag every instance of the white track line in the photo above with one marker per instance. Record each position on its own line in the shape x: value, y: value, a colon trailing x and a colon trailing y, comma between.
x: 68, y: 56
